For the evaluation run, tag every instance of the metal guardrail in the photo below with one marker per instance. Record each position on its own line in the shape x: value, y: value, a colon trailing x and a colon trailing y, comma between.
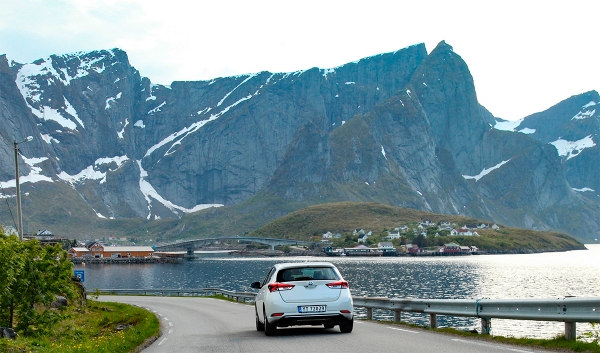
x: 568, y: 310
x: 238, y: 296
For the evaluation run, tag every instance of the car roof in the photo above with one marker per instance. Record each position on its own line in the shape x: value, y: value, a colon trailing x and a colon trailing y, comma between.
x: 302, y: 264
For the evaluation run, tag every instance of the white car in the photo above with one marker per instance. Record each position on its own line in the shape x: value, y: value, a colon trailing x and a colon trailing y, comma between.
x: 304, y: 293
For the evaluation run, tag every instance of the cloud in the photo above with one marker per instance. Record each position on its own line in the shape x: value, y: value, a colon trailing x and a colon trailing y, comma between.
x: 524, y: 56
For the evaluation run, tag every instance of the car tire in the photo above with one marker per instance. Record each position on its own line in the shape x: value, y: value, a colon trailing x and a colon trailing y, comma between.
x: 328, y: 325
x: 270, y: 329
x: 347, y: 325
x: 259, y: 325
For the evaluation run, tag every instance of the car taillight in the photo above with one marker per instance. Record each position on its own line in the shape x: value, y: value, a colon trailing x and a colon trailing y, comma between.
x: 279, y: 286
x: 338, y: 285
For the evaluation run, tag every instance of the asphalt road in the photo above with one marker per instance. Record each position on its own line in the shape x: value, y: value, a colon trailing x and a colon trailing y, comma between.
x: 212, y: 325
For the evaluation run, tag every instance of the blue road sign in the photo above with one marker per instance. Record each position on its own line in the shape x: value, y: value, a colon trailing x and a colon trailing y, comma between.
x: 80, y: 274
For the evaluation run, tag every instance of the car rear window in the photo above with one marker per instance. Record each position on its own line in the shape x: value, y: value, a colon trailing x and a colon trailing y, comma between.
x: 306, y: 273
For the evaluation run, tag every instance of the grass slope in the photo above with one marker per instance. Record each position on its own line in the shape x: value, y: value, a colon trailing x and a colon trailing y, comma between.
x: 344, y: 217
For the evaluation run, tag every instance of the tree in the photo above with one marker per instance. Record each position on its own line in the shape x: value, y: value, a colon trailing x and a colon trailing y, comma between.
x: 31, y: 276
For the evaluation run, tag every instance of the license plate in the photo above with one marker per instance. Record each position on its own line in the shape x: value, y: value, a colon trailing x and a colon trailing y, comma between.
x: 312, y: 309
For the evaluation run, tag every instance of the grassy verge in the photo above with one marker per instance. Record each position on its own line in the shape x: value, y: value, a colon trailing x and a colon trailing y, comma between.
x: 98, y: 327
x: 558, y: 343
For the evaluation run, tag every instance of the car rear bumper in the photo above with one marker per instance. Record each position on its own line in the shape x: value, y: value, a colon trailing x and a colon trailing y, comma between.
x: 297, y: 320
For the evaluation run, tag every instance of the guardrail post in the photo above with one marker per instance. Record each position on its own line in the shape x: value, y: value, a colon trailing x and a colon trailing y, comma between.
x: 433, y: 320
x: 397, y: 315
x: 369, y: 313
x: 486, y: 326
x: 570, y: 331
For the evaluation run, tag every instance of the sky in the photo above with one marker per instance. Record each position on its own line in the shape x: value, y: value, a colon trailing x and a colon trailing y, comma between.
x: 525, y: 56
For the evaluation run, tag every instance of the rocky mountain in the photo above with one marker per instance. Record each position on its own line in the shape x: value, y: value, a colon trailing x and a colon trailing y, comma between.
x: 573, y: 127
x: 401, y: 128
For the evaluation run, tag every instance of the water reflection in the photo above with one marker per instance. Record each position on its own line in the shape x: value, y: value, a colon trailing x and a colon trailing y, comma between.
x: 547, y: 275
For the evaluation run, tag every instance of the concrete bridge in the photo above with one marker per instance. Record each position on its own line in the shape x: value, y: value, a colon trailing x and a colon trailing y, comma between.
x: 191, y: 245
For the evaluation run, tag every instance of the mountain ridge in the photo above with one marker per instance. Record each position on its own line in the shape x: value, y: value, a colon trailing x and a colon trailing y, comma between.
x: 403, y: 128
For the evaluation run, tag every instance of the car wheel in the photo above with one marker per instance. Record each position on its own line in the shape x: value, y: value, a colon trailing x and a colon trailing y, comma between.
x: 347, y: 325
x: 328, y: 325
x: 269, y: 328
x: 259, y: 325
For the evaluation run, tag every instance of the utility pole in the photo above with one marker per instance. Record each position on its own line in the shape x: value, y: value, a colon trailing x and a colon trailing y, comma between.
x: 19, y: 215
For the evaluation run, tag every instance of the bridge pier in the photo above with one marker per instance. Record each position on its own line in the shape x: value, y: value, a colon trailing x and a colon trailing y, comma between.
x: 190, y: 252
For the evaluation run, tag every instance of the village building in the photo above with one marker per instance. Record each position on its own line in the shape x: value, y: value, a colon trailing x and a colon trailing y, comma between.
x: 394, y: 234
x: 386, y: 246
x: 98, y: 250
x: 413, y: 249
x: 463, y: 232
x: 451, y: 248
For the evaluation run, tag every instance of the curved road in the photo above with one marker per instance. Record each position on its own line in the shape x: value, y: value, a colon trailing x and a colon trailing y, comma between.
x: 195, y: 324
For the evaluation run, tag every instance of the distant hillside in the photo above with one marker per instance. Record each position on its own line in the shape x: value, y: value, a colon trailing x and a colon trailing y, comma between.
x: 344, y: 217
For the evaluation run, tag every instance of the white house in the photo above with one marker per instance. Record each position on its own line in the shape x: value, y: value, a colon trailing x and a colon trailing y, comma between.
x: 386, y: 245
x: 394, y: 234
x: 463, y: 232
x: 328, y: 235
x: 362, y: 238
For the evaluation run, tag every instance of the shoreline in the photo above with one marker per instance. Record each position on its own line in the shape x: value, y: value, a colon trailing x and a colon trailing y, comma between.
x: 294, y: 253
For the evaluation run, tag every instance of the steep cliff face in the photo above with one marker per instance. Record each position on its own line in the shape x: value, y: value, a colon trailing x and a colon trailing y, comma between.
x: 431, y: 147
x: 402, y: 128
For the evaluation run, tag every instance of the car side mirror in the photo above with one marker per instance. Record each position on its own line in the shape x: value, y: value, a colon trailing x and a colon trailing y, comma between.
x: 255, y: 285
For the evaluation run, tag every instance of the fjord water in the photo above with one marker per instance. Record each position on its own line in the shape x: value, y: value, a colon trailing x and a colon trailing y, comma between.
x: 526, y: 276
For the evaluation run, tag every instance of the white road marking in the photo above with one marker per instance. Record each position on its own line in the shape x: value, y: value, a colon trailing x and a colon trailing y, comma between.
x: 170, y: 323
x: 491, y: 345
x: 401, y: 329
x: 166, y: 319
x: 162, y: 341
x: 170, y: 331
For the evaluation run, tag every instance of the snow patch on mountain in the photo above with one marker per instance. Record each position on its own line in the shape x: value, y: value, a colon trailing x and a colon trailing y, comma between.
x: 92, y: 172
x: 591, y: 103
x: 583, y: 189
x: 584, y: 114
x: 31, y: 91
x: 485, y: 171
x: 183, y: 133
x: 120, y: 133
x: 157, y: 109
x: 236, y: 87
x: 572, y: 149
x: 527, y: 131
x: 507, y: 125
x: 326, y: 72
x: 112, y: 100
x: 150, y: 193
x: 49, y: 139
x: 48, y: 113
x: 34, y: 175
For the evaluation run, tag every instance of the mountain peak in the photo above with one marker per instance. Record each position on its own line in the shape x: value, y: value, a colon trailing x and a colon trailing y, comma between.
x: 442, y: 46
